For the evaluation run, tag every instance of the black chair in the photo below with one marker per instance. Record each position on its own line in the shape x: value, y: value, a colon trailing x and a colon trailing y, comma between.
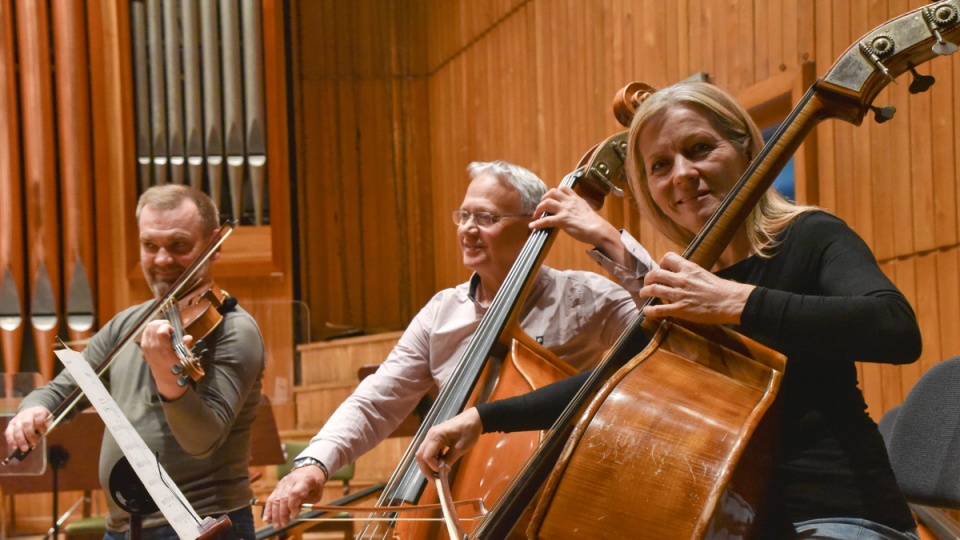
x: 923, y: 441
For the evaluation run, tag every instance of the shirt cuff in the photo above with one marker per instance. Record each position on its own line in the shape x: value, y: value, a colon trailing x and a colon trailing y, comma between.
x: 326, y: 454
x: 630, y: 276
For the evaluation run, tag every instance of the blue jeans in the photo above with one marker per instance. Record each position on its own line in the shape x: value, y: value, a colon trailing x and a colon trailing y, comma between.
x: 241, y: 519
x: 848, y: 529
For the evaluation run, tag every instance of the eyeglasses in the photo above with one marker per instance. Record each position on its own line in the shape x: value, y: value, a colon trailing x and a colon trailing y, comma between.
x: 482, y: 219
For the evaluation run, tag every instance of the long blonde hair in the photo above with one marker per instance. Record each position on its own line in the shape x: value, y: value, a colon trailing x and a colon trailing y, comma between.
x: 770, y: 216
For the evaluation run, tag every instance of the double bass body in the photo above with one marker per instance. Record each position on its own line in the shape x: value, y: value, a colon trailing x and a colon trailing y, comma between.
x: 676, y: 444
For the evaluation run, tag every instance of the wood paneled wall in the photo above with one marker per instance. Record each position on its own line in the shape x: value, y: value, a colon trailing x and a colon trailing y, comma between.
x: 363, y: 155
x: 394, y: 99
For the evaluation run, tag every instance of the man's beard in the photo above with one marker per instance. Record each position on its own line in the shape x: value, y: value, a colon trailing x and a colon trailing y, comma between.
x: 162, y: 285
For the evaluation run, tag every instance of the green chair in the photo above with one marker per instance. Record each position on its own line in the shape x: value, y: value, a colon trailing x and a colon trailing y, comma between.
x: 91, y: 528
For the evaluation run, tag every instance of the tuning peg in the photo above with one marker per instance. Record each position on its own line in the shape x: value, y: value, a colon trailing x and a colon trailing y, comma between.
x: 882, y: 114
x: 920, y: 83
x: 937, y: 19
x: 943, y: 47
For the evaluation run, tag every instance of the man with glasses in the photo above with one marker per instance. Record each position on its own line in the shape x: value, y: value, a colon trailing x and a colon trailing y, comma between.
x: 576, y: 315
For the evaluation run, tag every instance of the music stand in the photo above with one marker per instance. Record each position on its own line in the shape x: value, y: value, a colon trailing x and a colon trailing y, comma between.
x: 73, y: 453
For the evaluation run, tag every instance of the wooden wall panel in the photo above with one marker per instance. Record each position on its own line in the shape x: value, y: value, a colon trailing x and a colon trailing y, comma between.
x: 361, y: 151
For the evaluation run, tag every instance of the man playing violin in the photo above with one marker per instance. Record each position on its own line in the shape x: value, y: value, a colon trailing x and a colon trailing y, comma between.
x: 199, y: 429
x: 576, y: 315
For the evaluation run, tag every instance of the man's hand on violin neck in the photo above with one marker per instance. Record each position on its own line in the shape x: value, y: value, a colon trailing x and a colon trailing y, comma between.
x: 157, y: 348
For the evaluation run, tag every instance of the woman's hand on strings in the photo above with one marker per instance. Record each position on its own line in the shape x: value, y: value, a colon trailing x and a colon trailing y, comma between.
x: 26, y: 428
x: 449, y: 440
x: 301, y: 485
x: 689, y: 292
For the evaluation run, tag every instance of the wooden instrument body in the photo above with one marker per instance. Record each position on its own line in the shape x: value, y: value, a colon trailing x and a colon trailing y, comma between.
x: 485, y: 471
x: 675, y: 444
x: 488, y: 468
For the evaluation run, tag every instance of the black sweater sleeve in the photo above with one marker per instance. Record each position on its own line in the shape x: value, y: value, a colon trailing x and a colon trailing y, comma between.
x: 535, y: 410
x: 849, y: 311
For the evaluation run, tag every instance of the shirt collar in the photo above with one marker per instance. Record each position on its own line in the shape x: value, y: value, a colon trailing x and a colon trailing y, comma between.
x: 472, y: 291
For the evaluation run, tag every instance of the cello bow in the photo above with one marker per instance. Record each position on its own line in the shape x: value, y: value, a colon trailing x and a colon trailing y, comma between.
x: 846, y: 92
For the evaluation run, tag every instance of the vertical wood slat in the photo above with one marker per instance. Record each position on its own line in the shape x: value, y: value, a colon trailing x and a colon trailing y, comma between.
x: 825, y: 131
x: 883, y: 184
x: 861, y: 203
x: 12, y: 293
x: 921, y: 171
x: 897, y: 96
x: 39, y: 166
x: 944, y: 171
x: 76, y: 182
x: 843, y: 34
x: 948, y: 297
x: 926, y: 304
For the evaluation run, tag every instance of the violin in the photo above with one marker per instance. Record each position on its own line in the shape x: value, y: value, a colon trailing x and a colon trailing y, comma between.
x: 180, y: 288
x: 197, y: 313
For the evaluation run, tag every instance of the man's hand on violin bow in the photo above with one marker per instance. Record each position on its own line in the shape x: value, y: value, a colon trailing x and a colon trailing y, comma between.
x: 26, y: 428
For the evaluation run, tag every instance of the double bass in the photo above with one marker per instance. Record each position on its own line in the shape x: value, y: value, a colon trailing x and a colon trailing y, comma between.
x: 672, y: 435
x: 500, y: 361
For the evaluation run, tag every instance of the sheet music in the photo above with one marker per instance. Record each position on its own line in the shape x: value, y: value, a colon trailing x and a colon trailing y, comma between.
x: 173, y: 505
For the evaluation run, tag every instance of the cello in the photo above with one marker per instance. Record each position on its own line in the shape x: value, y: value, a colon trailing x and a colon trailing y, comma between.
x: 701, y: 470
x: 500, y: 361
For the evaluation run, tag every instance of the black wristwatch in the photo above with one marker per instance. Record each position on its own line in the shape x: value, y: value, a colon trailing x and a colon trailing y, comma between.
x: 307, y: 460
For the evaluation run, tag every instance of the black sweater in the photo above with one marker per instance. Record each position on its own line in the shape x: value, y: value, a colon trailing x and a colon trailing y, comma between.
x: 823, y: 301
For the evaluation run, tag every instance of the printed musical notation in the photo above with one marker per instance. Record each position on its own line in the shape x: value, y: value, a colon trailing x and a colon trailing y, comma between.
x: 173, y: 505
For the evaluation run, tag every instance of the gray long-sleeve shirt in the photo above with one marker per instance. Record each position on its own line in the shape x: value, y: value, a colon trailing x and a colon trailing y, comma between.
x: 203, y: 437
